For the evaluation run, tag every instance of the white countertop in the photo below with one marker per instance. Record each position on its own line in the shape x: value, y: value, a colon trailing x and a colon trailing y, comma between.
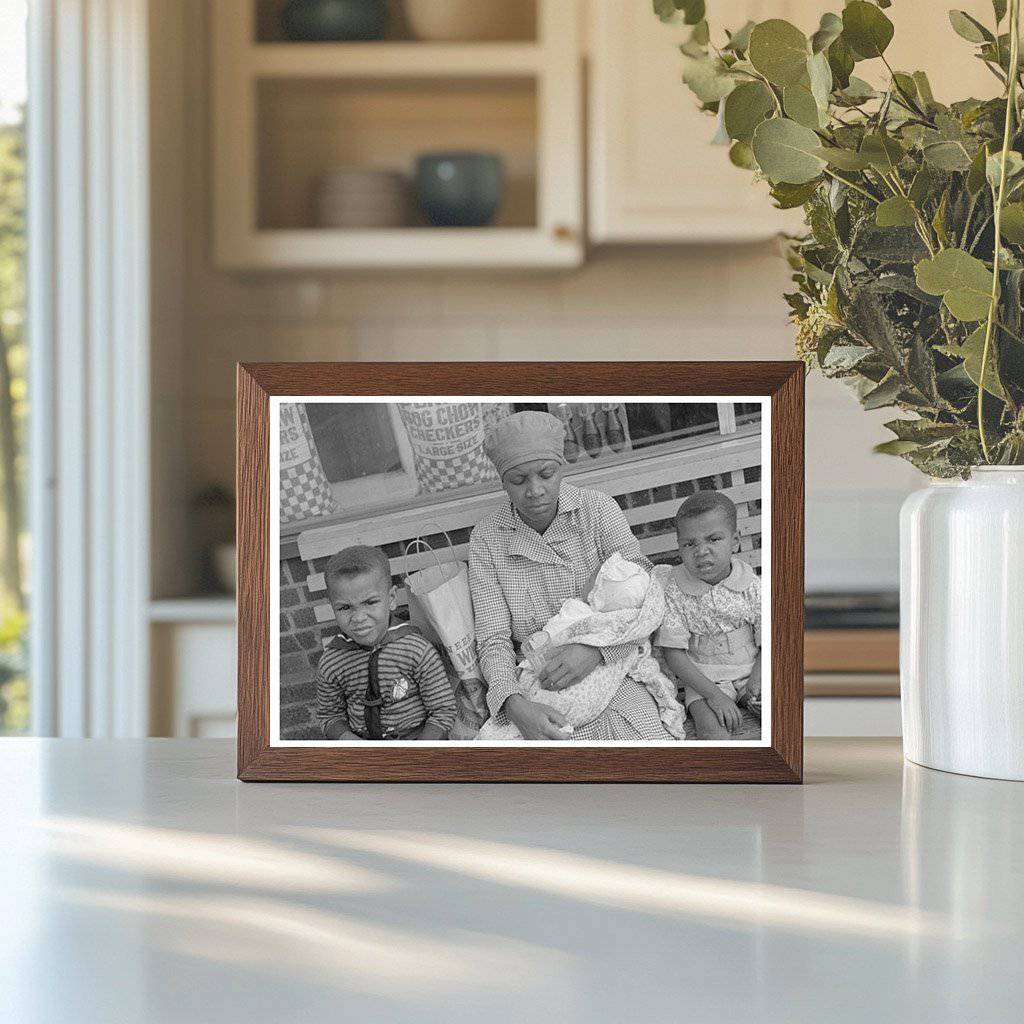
x: 140, y: 882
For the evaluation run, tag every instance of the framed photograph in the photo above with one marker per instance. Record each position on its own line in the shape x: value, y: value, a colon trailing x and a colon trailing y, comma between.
x: 564, y: 572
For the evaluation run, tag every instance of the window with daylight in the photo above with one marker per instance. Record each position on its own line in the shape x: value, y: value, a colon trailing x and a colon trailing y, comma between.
x: 14, y: 691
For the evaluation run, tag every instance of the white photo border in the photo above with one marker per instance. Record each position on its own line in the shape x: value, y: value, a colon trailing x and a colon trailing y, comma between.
x: 276, y: 401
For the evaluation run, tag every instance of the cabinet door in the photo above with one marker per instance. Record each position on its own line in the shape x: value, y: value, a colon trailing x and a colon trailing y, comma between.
x: 286, y: 114
x: 654, y: 176
x: 925, y: 41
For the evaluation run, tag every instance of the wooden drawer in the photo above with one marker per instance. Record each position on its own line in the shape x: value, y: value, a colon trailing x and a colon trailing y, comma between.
x: 852, y: 650
x: 851, y: 663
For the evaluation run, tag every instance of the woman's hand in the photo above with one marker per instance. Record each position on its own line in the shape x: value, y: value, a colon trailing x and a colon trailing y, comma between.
x: 536, y: 721
x: 567, y: 665
x: 725, y: 711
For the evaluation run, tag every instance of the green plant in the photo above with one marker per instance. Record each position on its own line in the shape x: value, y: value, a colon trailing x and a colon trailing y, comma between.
x: 902, y: 291
x: 13, y: 683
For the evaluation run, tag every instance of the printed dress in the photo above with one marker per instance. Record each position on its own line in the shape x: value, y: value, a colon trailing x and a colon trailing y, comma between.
x: 718, y: 625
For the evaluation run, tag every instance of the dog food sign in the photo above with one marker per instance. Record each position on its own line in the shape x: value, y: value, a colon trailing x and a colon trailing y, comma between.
x: 447, y: 441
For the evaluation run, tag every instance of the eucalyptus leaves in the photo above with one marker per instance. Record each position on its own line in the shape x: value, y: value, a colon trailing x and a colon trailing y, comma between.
x: 902, y: 291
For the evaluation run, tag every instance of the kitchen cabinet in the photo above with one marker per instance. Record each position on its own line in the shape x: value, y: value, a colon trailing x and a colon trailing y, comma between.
x: 286, y: 115
x: 653, y: 175
x: 193, y: 667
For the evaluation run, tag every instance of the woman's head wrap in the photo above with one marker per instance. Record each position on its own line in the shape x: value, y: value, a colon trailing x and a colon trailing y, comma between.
x: 525, y: 437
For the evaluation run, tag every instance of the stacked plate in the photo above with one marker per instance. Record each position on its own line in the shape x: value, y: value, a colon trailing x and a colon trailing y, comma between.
x: 362, y: 197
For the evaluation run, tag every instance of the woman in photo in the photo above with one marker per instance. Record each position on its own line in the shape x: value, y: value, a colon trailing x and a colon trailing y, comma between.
x: 542, y: 547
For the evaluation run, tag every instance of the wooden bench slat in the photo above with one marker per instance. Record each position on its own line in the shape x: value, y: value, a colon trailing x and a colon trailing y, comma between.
x: 659, y: 510
x: 650, y: 546
x: 748, y: 526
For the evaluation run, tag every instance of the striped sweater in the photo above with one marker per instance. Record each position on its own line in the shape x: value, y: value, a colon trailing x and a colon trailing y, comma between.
x: 414, y: 686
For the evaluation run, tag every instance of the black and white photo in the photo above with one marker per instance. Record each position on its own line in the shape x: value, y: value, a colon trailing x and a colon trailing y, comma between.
x: 509, y: 570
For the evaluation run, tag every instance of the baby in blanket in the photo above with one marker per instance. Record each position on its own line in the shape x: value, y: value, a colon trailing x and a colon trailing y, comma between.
x: 625, y: 605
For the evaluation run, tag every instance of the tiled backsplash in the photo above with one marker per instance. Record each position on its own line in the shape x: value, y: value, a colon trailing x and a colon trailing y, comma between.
x: 652, y: 304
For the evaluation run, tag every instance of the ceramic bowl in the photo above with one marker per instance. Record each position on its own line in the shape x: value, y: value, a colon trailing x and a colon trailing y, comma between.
x: 332, y: 21
x: 460, y: 189
x: 359, y: 197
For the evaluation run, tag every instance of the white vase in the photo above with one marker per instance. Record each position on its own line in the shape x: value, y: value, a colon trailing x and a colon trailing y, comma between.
x: 962, y: 624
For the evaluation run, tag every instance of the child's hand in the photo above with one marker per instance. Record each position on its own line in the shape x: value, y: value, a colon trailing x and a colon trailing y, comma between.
x: 753, y: 687
x: 725, y: 711
x: 337, y: 729
x: 751, y: 702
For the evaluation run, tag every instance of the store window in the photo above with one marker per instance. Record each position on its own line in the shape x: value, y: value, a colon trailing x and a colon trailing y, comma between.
x: 365, y: 452
x: 14, y: 683
x: 381, y: 455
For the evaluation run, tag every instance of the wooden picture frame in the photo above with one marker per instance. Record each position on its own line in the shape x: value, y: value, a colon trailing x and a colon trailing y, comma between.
x: 779, y: 759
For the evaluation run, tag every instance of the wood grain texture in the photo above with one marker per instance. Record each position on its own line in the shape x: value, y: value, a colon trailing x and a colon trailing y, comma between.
x: 787, y: 541
x: 252, y: 478
x: 781, y: 762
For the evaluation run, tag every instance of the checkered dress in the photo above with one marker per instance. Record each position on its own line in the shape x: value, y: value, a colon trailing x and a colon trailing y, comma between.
x: 519, y: 579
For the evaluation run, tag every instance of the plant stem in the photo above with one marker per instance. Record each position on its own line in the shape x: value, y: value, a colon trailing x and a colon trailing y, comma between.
x: 896, y: 186
x: 970, y: 215
x: 1011, y: 108
x: 768, y: 86
x: 1012, y: 334
x: 853, y: 185
x: 980, y: 232
x: 907, y: 99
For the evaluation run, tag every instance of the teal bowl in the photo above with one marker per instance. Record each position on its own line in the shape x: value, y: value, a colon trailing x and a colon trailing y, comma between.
x: 334, y: 21
x: 460, y: 189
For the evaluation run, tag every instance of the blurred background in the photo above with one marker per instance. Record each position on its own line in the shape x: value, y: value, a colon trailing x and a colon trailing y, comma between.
x: 361, y: 180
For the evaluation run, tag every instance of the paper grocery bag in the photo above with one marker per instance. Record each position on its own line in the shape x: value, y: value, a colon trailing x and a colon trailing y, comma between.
x: 441, y: 592
x: 440, y: 604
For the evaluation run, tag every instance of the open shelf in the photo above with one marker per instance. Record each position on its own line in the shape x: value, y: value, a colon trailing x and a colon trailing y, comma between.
x: 391, y: 60
x: 406, y: 248
x: 309, y: 127
x: 520, y: 23
x: 286, y: 114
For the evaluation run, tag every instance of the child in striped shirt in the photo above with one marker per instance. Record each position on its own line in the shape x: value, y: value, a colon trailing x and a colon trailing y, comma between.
x: 377, y: 680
